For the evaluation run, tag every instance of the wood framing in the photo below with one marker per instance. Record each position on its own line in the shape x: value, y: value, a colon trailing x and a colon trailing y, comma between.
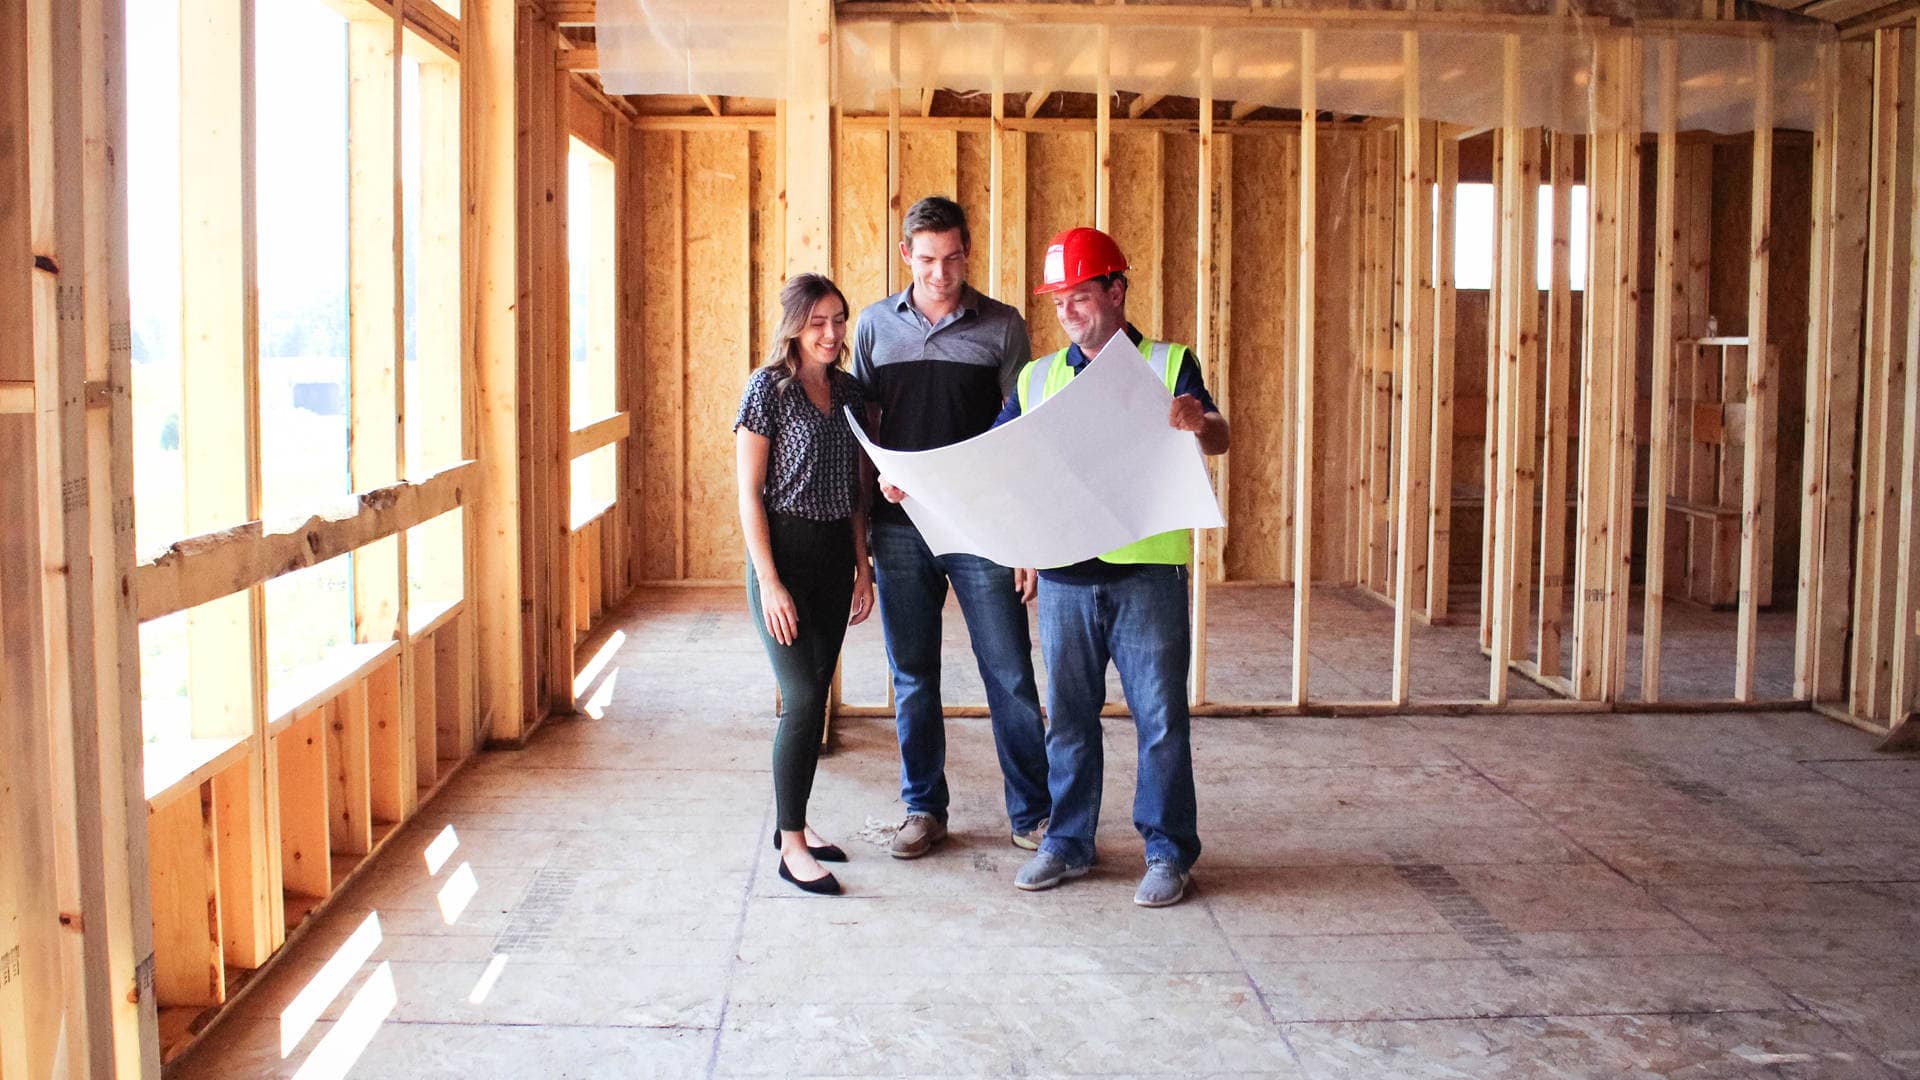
x: 1556, y: 430
x: 1439, y: 543
x: 1303, y: 446
x: 1761, y: 431
x: 1416, y: 416
x: 1660, y: 435
x: 808, y: 138
x: 1513, y: 290
x: 1841, y: 202
x: 1904, y: 661
x: 490, y: 296
x: 1892, y: 106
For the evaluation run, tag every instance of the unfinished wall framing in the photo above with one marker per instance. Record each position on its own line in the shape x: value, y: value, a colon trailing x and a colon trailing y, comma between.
x: 1583, y: 477
x: 1470, y: 430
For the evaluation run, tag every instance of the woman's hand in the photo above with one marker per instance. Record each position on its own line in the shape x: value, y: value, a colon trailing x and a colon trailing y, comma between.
x: 862, y: 594
x: 781, y: 616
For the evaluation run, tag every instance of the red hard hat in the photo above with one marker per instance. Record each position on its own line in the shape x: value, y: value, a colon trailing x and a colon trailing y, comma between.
x: 1078, y: 255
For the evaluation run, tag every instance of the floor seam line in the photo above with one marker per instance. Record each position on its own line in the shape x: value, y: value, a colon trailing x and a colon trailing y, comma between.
x: 733, y: 960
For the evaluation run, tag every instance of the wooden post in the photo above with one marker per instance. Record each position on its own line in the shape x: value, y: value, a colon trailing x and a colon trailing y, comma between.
x: 1416, y: 416
x: 1876, y: 375
x: 1842, y: 179
x: 1303, y: 456
x: 1760, y: 429
x: 1624, y: 314
x: 220, y: 448
x: 1103, y: 136
x: 1905, y: 644
x: 808, y: 151
x: 894, y: 209
x: 1203, y: 343
x: 1597, y: 382
x: 1553, y: 465
x: 997, y: 161
x: 1660, y: 434
x: 117, y: 648
x: 1440, y: 486
x: 487, y: 85
x: 1510, y: 290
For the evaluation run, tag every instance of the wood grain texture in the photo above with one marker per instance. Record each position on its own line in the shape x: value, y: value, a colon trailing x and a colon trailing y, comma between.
x: 1060, y: 165
x: 718, y: 349
x: 662, y: 351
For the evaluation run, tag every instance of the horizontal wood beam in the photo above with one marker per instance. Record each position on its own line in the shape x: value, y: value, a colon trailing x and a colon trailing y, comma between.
x: 203, y: 568
x: 570, y: 12
x: 602, y: 432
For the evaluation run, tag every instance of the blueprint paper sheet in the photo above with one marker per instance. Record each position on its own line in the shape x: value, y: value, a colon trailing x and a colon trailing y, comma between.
x: 1094, y: 467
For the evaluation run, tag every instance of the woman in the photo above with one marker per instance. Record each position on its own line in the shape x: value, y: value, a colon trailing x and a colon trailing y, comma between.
x: 806, y: 528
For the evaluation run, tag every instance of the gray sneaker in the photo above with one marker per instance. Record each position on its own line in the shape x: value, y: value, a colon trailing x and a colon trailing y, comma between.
x: 917, y: 835
x: 1030, y: 840
x: 1044, y: 871
x: 1163, y: 886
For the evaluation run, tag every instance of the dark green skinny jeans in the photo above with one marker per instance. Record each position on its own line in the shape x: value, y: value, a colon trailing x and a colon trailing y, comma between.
x: 815, y: 562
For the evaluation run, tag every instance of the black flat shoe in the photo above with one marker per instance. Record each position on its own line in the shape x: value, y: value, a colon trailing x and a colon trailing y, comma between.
x: 826, y: 885
x: 823, y: 853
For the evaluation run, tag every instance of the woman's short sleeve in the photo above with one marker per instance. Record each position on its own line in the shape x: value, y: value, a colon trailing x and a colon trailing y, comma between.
x: 756, y: 405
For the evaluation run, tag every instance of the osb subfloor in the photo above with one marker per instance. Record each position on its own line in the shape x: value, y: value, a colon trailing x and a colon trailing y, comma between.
x: 1614, y: 896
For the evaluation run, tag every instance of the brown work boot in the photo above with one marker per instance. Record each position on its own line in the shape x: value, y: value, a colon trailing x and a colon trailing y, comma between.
x: 917, y: 836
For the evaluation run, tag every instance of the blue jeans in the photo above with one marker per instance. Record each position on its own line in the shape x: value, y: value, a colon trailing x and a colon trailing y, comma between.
x: 1139, y: 622
x: 912, y: 582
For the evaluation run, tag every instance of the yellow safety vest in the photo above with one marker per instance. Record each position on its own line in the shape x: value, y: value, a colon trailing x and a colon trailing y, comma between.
x: 1046, y: 376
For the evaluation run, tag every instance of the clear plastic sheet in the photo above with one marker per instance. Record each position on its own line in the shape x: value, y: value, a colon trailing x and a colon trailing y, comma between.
x: 1359, y: 70
x: 732, y: 47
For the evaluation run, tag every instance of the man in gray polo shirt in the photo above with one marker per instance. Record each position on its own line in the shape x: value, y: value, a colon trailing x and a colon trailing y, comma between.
x: 936, y: 361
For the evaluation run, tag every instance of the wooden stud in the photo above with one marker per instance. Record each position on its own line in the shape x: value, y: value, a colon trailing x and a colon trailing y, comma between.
x: 220, y: 448
x: 808, y: 145
x: 1514, y: 288
x: 1559, y: 364
x: 1490, y: 428
x: 894, y: 208
x: 1660, y: 435
x: 1440, y: 484
x: 453, y: 737
x: 349, y: 772
x: 1303, y: 447
x: 391, y: 788
x: 1103, y: 137
x: 1760, y: 390
x: 300, y: 774
x: 1416, y: 416
x: 491, y: 297
x: 1597, y: 380
x: 426, y: 726
x: 1833, y: 379
x: 186, y: 902
x: 1890, y: 108
x: 1625, y: 318
x: 997, y: 163
x: 1904, y: 674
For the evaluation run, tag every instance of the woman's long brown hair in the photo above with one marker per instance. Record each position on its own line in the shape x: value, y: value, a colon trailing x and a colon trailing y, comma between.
x: 797, y: 299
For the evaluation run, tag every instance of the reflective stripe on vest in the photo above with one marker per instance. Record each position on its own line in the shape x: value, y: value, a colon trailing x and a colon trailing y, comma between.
x: 1046, y: 376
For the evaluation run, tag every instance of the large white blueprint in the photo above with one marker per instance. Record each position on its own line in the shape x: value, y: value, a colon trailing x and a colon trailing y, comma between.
x: 1094, y: 467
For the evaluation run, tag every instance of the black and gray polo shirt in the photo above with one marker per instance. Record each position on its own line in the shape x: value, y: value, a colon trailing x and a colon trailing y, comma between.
x: 936, y: 384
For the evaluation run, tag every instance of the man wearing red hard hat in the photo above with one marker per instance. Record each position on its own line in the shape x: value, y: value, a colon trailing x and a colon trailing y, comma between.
x: 1127, y: 607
